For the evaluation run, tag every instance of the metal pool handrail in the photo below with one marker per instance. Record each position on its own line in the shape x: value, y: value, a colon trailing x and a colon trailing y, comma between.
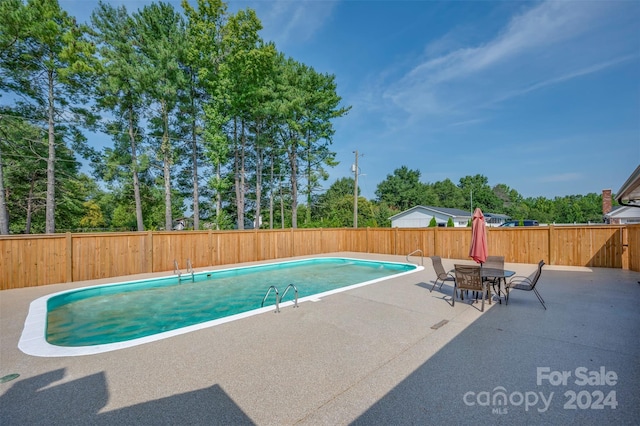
x: 414, y: 252
x: 176, y: 268
x: 295, y: 305
x: 273, y: 287
x: 190, y: 270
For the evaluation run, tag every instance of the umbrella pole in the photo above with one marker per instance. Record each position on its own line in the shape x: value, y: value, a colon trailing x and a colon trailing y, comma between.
x: 481, y: 263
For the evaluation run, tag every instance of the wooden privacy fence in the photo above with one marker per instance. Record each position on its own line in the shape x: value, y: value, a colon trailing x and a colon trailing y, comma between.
x: 632, y: 247
x: 34, y: 260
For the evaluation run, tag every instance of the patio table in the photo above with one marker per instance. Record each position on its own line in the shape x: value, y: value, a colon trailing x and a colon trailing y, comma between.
x: 499, y: 276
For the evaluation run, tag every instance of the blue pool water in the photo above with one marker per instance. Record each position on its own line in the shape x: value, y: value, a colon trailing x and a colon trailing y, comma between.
x: 115, y: 313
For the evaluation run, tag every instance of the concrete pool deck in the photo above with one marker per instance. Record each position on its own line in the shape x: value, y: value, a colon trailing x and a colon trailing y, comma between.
x: 364, y: 356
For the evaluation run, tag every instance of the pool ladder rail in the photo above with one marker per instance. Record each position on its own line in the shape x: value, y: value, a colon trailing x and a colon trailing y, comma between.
x: 178, y: 272
x: 414, y: 252
x: 279, y: 298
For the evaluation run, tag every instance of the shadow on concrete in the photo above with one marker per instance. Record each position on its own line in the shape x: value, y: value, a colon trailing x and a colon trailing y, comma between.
x: 38, y: 401
x: 424, y: 285
x: 588, y: 325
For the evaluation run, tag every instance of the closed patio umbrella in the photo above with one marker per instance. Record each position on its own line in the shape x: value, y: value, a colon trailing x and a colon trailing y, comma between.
x: 479, y: 249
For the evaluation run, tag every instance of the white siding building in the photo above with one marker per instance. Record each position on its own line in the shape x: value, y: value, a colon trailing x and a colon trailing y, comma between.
x: 420, y: 216
x: 623, y: 215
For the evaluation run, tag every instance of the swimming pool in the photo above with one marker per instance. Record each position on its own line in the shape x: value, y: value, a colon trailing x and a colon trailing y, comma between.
x: 114, y: 316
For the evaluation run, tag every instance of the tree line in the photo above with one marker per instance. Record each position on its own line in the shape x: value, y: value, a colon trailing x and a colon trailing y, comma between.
x: 204, y: 116
x: 197, y: 105
x: 402, y: 190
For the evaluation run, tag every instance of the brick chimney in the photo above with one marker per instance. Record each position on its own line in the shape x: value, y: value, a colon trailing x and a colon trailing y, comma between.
x: 606, y: 201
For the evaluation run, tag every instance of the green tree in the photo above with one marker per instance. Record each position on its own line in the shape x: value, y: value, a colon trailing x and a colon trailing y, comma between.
x: 160, y: 35
x: 50, y: 65
x: 509, y: 197
x: 433, y: 223
x: 575, y: 209
x: 5, y: 140
x: 25, y: 151
x: 202, y: 55
x: 542, y: 209
x: 15, y: 25
x: 93, y: 217
x: 450, y: 223
x: 334, y: 208
x: 122, y: 215
x: 403, y: 190
x: 119, y: 90
x: 321, y: 107
x: 306, y: 118
x: 383, y: 214
x: 367, y: 214
x: 246, y: 68
x: 24, y: 177
x: 591, y: 207
x: 480, y: 193
x: 98, y: 205
x: 448, y: 194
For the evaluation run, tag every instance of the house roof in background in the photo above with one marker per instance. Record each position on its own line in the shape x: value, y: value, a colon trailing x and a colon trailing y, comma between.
x: 623, y: 212
x: 442, y: 210
x: 449, y: 211
x: 630, y: 191
x: 497, y: 215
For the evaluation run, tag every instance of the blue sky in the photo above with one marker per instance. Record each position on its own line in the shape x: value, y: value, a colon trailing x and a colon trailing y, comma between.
x: 541, y: 96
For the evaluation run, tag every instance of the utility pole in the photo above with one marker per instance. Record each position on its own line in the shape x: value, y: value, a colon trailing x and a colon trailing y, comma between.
x: 355, y: 192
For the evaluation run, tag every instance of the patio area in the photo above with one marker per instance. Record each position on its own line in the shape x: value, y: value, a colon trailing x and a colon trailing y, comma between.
x: 379, y: 354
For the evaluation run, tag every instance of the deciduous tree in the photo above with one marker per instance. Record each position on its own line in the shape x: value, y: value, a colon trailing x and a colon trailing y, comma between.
x: 403, y: 190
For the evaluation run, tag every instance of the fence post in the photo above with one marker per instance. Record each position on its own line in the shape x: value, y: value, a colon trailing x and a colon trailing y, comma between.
x: 552, y: 245
x: 210, y: 242
x: 69, y: 271
x: 148, y: 256
x: 367, y: 241
x: 395, y: 240
x: 436, y: 252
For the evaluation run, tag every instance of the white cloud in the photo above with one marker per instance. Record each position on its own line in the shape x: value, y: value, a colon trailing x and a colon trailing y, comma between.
x: 537, y: 45
x: 569, y: 76
x: 286, y: 22
x: 547, y: 24
x: 468, y: 122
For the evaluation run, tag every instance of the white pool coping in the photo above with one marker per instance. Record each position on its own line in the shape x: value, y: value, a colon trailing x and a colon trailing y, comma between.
x: 33, y: 338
